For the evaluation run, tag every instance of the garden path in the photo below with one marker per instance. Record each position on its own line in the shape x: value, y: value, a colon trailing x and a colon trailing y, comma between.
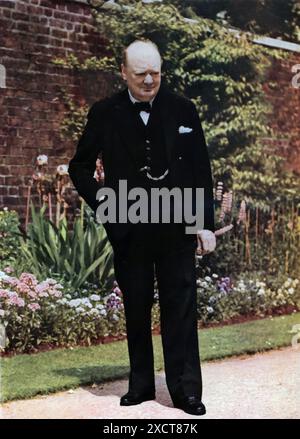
x: 265, y: 385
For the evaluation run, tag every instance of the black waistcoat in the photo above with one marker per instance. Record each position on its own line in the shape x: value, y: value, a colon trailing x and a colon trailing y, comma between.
x: 153, y: 149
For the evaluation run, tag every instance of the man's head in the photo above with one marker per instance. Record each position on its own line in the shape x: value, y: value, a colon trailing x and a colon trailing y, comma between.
x: 141, y: 69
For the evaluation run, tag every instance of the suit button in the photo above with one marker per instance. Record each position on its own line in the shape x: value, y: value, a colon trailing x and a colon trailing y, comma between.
x: 180, y: 157
x: 148, y: 159
x: 147, y: 141
x: 148, y: 148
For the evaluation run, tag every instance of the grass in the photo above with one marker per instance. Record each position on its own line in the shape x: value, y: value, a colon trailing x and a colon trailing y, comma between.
x: 24, y: 376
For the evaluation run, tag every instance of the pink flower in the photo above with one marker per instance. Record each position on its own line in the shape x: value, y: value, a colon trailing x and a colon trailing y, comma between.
x: 42, y: 288
x: 34, y: 306
x: 12, y: 281
x: 8, y: 269
x: 23, y: 288
x: 54, y: 292
x: 32, y: 294
x: 20, y: 302
x: 3, y: 293
x: 28, y: 278
x: 15, y: 300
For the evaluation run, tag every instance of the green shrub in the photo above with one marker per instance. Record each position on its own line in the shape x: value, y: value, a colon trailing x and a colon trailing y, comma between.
x: 83, y: 254
x: 9, y: 241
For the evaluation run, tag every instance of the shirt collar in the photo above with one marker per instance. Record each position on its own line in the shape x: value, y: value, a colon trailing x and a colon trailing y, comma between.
x: 133, y: 100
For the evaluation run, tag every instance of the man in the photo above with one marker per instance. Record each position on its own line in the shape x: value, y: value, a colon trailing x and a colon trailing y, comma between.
x: 151, y: 137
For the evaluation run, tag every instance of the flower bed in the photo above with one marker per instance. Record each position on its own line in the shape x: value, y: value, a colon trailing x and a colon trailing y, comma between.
x: 38, y: 314
x: 220, y: 299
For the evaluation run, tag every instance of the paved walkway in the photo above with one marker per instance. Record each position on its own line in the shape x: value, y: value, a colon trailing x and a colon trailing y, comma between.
x: 258, y: 386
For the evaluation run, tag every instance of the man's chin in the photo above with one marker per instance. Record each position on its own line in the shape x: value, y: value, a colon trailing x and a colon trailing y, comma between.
x: 149, y: 93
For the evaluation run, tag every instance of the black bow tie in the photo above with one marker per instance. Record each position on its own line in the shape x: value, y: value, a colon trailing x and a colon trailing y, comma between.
x: 142, y: 106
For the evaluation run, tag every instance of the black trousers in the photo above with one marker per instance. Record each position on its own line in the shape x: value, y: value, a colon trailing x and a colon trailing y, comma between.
x: 164, y: 251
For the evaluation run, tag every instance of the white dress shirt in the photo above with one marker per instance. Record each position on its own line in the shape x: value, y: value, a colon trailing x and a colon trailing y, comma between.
x: 144, y: 114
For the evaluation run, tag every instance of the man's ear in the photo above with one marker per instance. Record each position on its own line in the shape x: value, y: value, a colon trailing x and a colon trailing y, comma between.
x: 123, y: 72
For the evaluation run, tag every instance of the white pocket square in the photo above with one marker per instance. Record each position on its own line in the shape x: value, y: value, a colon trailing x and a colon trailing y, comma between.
x: 183, y: 129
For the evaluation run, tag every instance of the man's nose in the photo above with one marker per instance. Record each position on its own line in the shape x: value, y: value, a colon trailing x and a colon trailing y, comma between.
x: 148, y: 79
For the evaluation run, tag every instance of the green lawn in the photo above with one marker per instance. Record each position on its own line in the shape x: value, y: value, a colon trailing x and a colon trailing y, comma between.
x: 24, y: 376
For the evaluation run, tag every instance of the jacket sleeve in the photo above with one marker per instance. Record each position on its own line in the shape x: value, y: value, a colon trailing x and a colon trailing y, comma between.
x: 82, y: 166
x: 202, y: 168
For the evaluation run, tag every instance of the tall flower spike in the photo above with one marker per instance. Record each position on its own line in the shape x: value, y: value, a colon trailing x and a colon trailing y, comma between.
x: 242, y: 212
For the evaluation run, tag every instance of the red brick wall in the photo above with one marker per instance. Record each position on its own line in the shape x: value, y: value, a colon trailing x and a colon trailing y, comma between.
x: 33, y: 33
x: 285, y: 100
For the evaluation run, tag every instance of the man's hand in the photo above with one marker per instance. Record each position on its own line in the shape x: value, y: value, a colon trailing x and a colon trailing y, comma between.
x: 206, y: 242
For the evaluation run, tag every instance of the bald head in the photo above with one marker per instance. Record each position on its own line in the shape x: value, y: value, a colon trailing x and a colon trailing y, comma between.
x: 141, y: 69
x: 141, y: 49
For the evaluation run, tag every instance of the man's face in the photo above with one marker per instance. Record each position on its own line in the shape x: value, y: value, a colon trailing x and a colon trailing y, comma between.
x: 142, y: 72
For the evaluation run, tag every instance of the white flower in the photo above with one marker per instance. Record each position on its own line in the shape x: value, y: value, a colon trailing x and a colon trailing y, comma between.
x: 95, y: 297
x: 80, y: 309
x: 62, y: 169
x: 207, y: 278
x: 103, y: 312
x: 291, y: 290
x: 3, y: 275
x: 42, y: 159
x: 261, y: 292
x: 100, y: 306
x: 115, y: 317
x: 74, y: 303
x: 215, y: 275
x: 2, y: 312
x: 209, y: 309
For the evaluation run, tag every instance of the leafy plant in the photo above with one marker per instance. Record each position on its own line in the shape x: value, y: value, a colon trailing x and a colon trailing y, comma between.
x: 9, y: 228
x: 83, y: 254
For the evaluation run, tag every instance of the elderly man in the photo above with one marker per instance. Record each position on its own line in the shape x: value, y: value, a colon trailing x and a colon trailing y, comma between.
x: 151, y: 137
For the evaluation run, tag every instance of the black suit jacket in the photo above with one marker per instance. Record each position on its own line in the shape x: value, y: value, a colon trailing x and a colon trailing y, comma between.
x: 112, y: 130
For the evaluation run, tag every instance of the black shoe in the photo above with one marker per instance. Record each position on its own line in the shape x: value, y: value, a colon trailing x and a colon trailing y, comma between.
x: 132, y: 398
x: 191, y: 405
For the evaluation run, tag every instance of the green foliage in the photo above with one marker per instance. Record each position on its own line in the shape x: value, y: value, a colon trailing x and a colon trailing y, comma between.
x: 73, y: 126
x: 275, y: 18
x: 83, y: 254
x: 9, y: 228
x: 221, y: 300
x: 267, y: 242
x: 221, y: 72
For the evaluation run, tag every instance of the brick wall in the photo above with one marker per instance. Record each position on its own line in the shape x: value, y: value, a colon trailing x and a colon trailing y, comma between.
x: 33, y: 33
x: 285, y: 100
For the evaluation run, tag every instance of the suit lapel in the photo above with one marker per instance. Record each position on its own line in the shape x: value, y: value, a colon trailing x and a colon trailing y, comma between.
x: 168, y: 120
x: 129, y: 127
